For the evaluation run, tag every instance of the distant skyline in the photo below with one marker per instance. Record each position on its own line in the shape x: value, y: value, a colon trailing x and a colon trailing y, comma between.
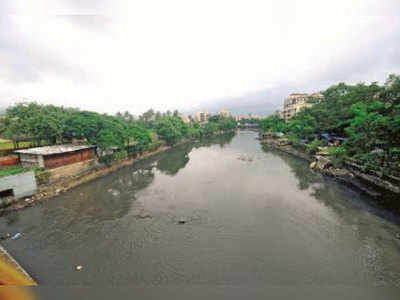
x: 243, y: 56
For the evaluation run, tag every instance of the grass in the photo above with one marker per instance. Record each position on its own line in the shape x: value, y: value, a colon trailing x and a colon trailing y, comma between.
x: 12, y: 171
x: 10, y: 145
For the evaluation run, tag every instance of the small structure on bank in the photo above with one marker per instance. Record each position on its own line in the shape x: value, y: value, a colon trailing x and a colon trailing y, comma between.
x: 17, y: 186
x: 55, y: 156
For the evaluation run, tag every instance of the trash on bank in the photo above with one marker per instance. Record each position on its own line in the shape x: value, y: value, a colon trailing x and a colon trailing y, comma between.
x: 16, y: 236
x: 5, y: 237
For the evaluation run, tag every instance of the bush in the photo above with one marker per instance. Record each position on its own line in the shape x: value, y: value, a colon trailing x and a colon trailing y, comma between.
x: 120, y: 155
x: 312, y: 147
x: 337, y: 155
x: 42, y: 176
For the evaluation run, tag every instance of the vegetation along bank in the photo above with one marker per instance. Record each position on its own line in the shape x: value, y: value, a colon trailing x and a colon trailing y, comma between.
x: 353, y: 135
x: 118, y: 140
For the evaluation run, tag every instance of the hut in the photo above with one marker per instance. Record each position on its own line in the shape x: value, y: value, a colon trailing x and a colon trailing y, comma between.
x: 55, y: 156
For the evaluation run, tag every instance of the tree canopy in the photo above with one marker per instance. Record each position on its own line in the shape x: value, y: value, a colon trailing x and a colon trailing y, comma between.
x: 367, y: 114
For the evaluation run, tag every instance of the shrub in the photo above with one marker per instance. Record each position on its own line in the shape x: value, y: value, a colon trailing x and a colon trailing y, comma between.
x: 312, y: 147
x: 337, y: 155
x: 42, y: 176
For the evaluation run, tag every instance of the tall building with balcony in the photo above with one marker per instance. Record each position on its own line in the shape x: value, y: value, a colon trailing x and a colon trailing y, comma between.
x: 295, y: 102
x: 201, y: 117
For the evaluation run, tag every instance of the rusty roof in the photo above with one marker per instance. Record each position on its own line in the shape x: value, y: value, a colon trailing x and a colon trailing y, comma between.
x: 56, y: 149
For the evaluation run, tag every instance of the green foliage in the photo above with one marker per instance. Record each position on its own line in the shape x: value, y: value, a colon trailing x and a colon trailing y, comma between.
x: 59, y: 124
x: 211, y: 128
x: 171, y: 129
x: 368, y: 115
x: 12, y: 171
x: 122, y: 131
x: 42, y: 176
x: 312, y: 147
x: 273, y: 124
x: 34, y: 120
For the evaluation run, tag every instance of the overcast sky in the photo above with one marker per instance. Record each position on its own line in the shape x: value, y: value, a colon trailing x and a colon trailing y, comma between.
x: 245, y: 55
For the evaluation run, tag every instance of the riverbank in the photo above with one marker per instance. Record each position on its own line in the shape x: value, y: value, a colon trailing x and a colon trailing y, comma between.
x: 349, y: 174
x: 239, y: 215
x: 48, y: 191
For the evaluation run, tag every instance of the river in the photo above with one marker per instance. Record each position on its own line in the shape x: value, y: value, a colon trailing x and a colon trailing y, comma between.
x: 253, y: 216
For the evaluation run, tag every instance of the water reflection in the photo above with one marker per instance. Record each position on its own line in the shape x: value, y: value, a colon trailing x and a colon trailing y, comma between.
x: 221, y: 140
x: 171, y: 162
x: 331, y: 192
x: 266, y: 220
x: 298, y: 167
x: 176, y: 159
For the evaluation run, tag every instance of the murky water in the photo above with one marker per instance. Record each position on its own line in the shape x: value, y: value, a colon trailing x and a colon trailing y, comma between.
x: 252, y: 217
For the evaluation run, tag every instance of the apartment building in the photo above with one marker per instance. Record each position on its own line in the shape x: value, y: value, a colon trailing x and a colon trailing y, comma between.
x: 201, y: 116
x: 297, y: 101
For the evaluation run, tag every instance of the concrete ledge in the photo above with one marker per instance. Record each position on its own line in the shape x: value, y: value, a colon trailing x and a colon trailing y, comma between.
x: 23, y: 184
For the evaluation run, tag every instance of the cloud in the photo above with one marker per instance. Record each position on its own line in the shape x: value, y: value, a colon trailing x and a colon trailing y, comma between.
x: 240, y: 55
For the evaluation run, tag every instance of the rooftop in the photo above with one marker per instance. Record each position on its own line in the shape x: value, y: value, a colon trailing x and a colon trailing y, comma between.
x: 56, y: 149
x: 298, y: 94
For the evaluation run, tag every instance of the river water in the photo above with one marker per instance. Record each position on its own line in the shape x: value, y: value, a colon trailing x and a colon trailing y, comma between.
x: 253, y: 216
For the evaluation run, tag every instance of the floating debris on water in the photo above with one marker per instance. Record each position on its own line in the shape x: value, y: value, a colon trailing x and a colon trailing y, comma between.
x: 143, y: 216
x: 78, y: 268
x: 114, y: 192
x: 245, y: 158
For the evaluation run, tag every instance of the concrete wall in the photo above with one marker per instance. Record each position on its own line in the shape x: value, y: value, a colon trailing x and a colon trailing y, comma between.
x: 23, y: 185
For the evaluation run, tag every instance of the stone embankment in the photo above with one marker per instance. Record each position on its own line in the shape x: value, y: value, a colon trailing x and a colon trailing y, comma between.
x: 349, y: 173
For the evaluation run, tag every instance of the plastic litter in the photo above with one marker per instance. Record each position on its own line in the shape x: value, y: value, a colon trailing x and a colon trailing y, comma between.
x: 16, y: 236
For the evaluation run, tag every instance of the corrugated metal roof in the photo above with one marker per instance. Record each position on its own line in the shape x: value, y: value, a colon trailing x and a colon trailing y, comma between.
x: 56, y: 149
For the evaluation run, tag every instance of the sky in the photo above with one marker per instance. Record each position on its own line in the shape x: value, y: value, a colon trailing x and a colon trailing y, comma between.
x: 244, y: 56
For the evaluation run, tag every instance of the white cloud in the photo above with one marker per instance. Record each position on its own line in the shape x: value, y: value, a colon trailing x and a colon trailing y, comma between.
x: 129, y: 55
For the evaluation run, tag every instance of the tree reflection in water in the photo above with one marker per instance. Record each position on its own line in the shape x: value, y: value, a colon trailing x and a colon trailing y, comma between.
x: 338, y: 196
x: 298, y: 167
x: 177, y: 158
x: 111, y: 197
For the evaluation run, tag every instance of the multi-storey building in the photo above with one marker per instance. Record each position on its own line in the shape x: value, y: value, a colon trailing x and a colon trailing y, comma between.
x: 297, y: 101
x: 201, y: 116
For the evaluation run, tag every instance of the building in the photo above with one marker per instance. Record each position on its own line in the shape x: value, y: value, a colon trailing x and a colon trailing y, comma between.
x: 17, y: 186
x: 55, y: 156
x: 315, y: 98
x: 279, y: 114
x: 225, y: 113
x: 297, y: 101
x: 185, y: 118
x: 201, y: 116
